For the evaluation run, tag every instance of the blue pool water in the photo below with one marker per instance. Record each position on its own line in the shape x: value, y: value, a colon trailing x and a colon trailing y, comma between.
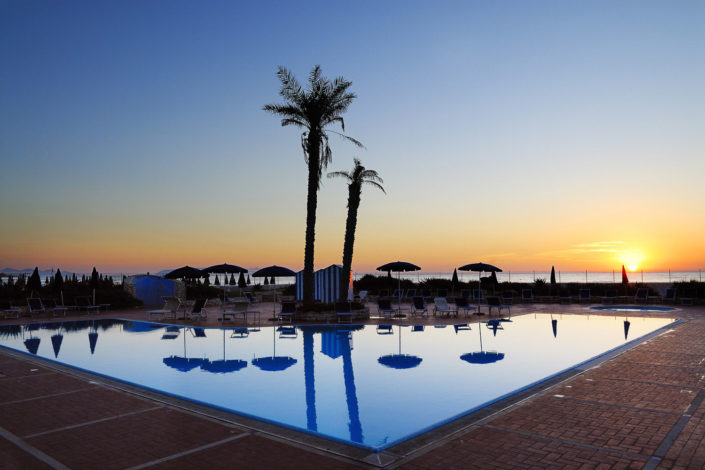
x: 367, y: 386
x: 633, y: 308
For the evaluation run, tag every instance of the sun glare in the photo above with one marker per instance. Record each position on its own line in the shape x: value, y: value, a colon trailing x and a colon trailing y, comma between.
x: 631, y: 260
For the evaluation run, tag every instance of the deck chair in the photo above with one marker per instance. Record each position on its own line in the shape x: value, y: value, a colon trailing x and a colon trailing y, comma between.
x: 410, y: 294
x: 461, y: 327
x: 288, y: 331
x: 35, y: 306
x: 197, y: 310
x: 8, y: 310
x: 495, y: 302
x: 418, y: 306
x: 51, y: 306
x: 251, y: 298
x: 362, y: 295
x: 83, y: 302
x: 478, y: 295
x: 287, y: 311
x: 343, y: 311
x: 384, y: 307
x: 527, y: 295
x: 171, y: 306
x: 384, y: 330
x: 442, y: 293
x: 642, y: 295
x: 441, y: 306
x: 669, y: 296
x: 584, y: 295
x: 461, y: 303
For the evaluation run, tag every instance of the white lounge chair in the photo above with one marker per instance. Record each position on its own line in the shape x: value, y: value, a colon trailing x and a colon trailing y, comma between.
x: 171, y: 306
x: 441, y: 305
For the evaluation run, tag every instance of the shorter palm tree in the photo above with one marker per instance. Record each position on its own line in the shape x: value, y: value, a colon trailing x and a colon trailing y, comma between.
x: 356, y: 178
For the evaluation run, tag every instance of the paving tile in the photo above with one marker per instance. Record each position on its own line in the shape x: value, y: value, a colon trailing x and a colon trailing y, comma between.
x: 132, y: 440
x: 613, y: 427
x: 636, y: 394
x: 688, y: 450
x: 663, y: 374
x: 653, y: 356
x: 11, y: 368
x: 44, y: 414
x: 493, y: 449
x: 20, y: 388
x: 14, y: 458
x: 255, y: 452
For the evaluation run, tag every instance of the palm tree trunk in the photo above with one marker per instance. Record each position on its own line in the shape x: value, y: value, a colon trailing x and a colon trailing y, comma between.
x: 311, y: 204
x: 350, y: 226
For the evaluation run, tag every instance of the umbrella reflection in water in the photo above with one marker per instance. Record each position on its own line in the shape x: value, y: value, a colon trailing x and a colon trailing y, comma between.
x: 222, y: 366
x: 400, y: 361
x: 183, y: 363
x: 482, y: 356
x: 274, y: 363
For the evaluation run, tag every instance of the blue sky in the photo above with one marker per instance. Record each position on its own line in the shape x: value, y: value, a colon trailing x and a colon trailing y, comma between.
x: 132, y: 135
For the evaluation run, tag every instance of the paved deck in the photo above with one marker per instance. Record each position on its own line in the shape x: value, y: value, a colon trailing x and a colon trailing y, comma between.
x: 641, y: 409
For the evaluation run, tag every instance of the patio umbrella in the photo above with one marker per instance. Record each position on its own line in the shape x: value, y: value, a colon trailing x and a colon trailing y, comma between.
x: 480, y: 268
x: 274, y: 271
x: 184, y: 272
x: 625, y: 279
x: 223, y: 269
x: 223, y: 366
x: 400, y: 361
x: 274, y: 363
x: 398, y: 267
x: 482, y: 356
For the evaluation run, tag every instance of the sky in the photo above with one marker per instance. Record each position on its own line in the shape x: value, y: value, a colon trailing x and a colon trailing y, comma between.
x: 521, y: 134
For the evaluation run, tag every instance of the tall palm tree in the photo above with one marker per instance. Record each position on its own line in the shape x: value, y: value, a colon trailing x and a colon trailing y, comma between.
x: 356, y: 178
x: 314, y: 110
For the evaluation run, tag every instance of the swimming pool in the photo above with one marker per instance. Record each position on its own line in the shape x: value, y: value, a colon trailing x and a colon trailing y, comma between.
x: 633, y: 308
x: 364, y: 385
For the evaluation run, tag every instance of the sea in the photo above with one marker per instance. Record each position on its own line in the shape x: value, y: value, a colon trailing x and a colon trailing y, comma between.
x: 504, y: 276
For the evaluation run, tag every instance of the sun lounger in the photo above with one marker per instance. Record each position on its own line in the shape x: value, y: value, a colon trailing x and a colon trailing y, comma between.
x: 287, y: 331
x: 343, y: 311
x: 384, y: 307
x: 287, y: 312
x: 239, y: 307
x: 527, y: 295
x: 171, y: 306
x: 441, y: 305
x: 669, y: 296
x: 642, y: 295
x: 51, y: 306
x: 35, y: 306
x: 197, y: 310
x: 251, y: 298
x: 384, y: 330
x: 171, y: 332
x: 8, y: 310
x: 84, y: 303
x: 418, y: 306
x: 461, y: 303
x: 461, y: 327
x: 584, y: 295
x: 494, y: 302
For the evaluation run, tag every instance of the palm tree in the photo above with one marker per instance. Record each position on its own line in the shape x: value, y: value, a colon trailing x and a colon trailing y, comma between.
x: 356, y: 178
x: 314, y: 110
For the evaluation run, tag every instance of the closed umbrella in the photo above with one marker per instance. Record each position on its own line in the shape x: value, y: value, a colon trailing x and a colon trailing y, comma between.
x: 626, y: 329
x: 398, y: 267
x: 56, y: 341
x: 553, y: 275
x: 480, y: 268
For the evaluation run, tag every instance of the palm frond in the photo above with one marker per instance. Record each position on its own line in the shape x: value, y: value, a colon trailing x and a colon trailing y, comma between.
x: 375, y: 184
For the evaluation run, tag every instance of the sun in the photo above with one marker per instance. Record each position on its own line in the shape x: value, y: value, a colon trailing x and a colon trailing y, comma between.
x: 631, y: 260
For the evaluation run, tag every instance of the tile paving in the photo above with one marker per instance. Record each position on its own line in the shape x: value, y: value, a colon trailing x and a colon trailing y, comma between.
x: 641, y: 409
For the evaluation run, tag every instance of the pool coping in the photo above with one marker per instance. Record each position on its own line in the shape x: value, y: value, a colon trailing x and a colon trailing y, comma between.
x: 397, y: 452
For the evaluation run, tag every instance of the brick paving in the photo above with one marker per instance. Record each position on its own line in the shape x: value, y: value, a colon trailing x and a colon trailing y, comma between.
x: 644, y: 408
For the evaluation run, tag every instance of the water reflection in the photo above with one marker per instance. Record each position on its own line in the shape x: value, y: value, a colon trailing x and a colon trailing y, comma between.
x: 276, y: 363
x: 482, y: 356
x: 400, y: 361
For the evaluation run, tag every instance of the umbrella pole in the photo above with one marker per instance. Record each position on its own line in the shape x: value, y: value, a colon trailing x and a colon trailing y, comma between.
x: 479, y: 295
x: 479, y: 327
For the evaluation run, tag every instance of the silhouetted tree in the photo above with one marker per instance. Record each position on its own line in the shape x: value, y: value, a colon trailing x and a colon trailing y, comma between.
x: 95, y: 279
x: 241, y: 281
x: 35, y: 282
x: 356, y: 178
x: 58, y: 281
x: 454, y: 280
x: 315, y: 109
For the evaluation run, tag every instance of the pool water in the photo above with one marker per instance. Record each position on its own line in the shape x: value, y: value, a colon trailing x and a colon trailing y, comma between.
x: 365, y: 385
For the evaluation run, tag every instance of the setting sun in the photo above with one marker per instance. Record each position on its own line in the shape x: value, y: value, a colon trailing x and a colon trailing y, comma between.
x: 631, y: 260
